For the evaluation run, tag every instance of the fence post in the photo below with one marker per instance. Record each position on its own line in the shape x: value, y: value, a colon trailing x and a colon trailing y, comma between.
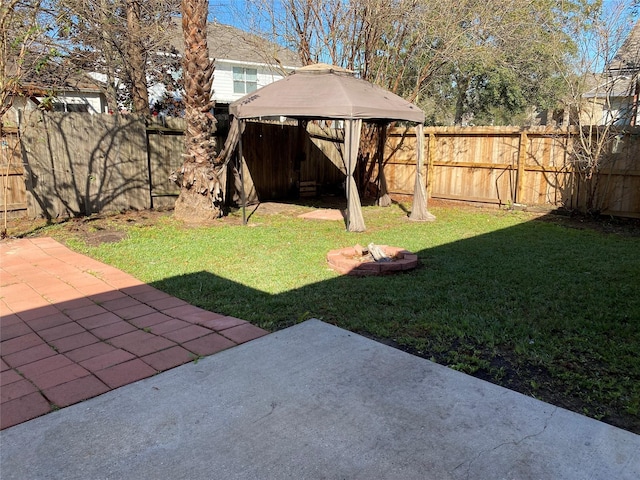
x: 574, y: 185
x: 149, y: 166
x: 522, y: 158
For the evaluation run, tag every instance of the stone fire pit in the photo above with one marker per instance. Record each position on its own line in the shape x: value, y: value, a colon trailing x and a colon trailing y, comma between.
x: 359, y: 261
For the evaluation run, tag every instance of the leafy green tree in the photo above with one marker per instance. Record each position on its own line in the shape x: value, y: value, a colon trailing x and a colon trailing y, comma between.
x: 504, y: 61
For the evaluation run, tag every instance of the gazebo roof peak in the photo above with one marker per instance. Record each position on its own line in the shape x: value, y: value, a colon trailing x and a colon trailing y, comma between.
x: 323, y: 68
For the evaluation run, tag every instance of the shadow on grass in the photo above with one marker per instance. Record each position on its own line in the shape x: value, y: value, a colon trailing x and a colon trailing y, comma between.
x: 548, y: 311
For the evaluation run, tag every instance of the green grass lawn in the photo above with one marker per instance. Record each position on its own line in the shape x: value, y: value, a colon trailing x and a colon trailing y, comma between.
x: 535, y: 305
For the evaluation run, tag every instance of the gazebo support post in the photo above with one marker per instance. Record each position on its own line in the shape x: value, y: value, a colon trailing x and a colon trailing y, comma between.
x: 348, y: 149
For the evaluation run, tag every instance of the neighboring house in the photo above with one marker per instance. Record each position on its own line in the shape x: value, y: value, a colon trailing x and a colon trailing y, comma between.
x: 56, y: 91
x: 613, y: 96
x: 243, y: 62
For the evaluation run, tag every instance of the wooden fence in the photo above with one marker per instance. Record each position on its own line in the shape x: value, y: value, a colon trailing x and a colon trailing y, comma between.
x: 71, y: 164
x: 77, y: 164
x: 82, y: 164
x: 279, y: 158
x: 14, y: 193
x: 508, y: 165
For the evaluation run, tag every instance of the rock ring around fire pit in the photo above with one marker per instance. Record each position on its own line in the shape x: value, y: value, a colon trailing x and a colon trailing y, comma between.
x: 358, y: 261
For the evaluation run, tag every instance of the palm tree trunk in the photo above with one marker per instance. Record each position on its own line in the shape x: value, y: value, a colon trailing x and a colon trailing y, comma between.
x: 201, y: 192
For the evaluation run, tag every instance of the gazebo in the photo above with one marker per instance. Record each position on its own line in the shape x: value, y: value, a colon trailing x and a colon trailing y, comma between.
x: 327, y: 92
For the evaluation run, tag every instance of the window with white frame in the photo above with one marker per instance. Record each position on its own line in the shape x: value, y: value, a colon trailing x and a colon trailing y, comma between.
x: 245, y: 80
x: 70, y: 107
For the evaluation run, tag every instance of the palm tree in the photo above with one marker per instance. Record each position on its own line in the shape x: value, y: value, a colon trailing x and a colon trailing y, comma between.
x: 201, y: 192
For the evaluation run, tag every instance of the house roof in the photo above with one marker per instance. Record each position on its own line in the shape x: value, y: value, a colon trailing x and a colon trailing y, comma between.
x: 627, y: 59
x: 607, y: 85
x: 52, y: 77
x: 325, y: 91
x: 230, y: 43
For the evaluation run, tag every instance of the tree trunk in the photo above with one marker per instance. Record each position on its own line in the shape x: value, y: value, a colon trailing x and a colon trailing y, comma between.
x: 462, y: 85
x: 136, y: 60
x: 201, y: 189
x: 106, y: 46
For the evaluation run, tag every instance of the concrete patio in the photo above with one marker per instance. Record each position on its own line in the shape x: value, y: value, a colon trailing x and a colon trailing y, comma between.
x: 315, y: 401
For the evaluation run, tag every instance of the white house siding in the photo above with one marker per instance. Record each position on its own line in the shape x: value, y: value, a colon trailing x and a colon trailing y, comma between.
x: 94, y: 100
x: 223, y: 78
x: 22, y: 108
x: 619, y: 112
x: 19, y: 108
x: 600, y: 110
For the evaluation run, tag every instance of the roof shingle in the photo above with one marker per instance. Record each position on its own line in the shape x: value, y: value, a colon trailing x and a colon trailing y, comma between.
x: 230, y: 43
x: 627, y: 59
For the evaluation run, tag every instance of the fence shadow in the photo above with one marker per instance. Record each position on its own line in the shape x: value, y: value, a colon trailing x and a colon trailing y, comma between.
x: 82, y: 164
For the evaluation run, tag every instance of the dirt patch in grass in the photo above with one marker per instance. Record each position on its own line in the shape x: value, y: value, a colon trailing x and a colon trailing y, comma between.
x: 93, y: 230
x: 601, y: 223
x: 97, y: 238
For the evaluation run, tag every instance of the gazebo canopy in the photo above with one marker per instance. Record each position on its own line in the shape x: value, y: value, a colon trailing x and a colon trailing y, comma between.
x: 324, y: 91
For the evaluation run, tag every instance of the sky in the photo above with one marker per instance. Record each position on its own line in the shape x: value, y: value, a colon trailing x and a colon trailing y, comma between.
x: 224, y: 10
x: 235, y: 12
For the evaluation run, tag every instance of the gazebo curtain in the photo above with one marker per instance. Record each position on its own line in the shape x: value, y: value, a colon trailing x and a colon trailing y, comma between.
x: 355, y: 221
x: 419, y: 207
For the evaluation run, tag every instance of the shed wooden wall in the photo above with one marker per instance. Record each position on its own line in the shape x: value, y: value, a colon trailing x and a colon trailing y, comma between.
x: 274, y: 166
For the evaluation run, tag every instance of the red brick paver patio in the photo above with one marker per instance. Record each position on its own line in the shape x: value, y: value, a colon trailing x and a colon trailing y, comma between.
x: 72, y: 328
